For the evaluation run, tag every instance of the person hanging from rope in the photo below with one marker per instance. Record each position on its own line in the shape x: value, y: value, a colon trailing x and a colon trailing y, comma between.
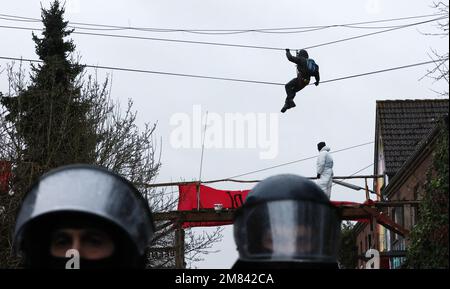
x: 306, y: 68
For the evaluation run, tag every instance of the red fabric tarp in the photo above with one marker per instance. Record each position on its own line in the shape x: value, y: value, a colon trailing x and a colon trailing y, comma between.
x: 208, y: 197
x: 5, y: 175
x: 229, y: 199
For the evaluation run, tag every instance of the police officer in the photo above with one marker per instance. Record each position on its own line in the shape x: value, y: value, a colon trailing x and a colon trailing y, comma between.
x: 87, y: 213
x: 286, y: 222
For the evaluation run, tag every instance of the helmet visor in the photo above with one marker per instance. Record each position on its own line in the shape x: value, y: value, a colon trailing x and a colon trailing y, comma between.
x: 288, y: 230
x: 88, y: 190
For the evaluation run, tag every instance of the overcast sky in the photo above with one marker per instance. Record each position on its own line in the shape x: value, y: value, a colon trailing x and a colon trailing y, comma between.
x: 341, y: 113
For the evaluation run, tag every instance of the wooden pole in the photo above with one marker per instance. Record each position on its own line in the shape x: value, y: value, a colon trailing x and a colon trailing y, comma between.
x: 179, y: 247
x: 367, y: 189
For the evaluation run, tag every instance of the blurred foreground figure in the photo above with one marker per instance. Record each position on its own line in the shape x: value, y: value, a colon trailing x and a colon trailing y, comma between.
x: 287, y: 222
x: 82, y: 216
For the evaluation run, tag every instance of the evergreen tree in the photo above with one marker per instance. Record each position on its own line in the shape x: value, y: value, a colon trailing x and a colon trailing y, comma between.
x: 50, y: 114
x: 50, y: 117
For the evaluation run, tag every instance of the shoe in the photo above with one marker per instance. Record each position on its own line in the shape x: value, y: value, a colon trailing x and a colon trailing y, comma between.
x: 288, y: 105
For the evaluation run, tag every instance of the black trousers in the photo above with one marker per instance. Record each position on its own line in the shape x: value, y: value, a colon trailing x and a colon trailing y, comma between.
x: 294, y: 86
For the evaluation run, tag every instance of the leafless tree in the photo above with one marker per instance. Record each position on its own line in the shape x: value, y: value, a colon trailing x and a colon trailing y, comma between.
x: 121, y: 146
x: 440, y: 69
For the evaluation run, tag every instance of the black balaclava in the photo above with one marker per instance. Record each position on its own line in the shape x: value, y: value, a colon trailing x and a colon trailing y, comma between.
x: 37, y: 247
x: 320, y: 145
x: 303, y: 53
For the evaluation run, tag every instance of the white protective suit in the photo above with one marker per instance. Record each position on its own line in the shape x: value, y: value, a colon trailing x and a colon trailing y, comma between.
x: 325, y: 169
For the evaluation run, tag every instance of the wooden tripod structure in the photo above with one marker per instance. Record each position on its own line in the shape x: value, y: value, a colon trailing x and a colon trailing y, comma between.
x: 371, y: 212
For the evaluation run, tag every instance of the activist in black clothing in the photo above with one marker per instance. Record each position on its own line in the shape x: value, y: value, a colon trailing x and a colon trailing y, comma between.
x: 306, y: 68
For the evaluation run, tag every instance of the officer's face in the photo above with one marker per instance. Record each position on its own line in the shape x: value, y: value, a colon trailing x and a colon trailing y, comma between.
x: 92, y: 244
x: 288, y: 240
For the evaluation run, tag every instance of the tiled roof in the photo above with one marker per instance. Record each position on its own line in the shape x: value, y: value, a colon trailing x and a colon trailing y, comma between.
x: 403, y: 124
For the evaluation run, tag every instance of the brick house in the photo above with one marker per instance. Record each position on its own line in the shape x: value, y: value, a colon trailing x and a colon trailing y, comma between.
x: 405, y: 132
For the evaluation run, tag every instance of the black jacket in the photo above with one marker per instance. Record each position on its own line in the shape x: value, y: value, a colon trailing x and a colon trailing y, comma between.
x: 302, y: 70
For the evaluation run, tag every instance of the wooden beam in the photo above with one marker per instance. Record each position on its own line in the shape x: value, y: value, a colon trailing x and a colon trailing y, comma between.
x: 396, y: 203
x: 206, y: 215
x: 347, y: 212
x: 168, y: 184
x: 354, y: 214
x: 387, y: 222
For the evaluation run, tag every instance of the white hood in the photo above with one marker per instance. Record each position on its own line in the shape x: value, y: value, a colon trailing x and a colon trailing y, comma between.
x: 325, y: 148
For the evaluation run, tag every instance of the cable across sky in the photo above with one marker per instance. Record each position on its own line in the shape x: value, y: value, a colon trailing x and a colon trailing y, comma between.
x: 230, y: 44
x: 300, y: 29
x: 230, y: 79
x: 297, y: 161
x: 232, y: 179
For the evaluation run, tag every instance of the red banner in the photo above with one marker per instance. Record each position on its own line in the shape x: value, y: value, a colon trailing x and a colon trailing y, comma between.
x: 208, y: 198
x: 5, y: 175
x: 229, y: 199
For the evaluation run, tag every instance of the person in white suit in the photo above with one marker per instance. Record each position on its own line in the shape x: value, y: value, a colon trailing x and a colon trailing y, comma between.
x: 324, y: 168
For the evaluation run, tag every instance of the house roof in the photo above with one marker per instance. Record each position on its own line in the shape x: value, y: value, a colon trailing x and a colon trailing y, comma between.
x: 402, y: 125
x: 423, y: 149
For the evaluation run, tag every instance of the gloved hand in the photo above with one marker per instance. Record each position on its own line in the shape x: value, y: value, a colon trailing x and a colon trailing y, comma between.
x: 318, y: 176
x: 287, y: 50
x: 316, y: 83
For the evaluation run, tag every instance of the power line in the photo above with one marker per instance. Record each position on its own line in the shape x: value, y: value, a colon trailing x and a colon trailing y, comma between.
x: 153, y: 38
x: 227, y: 44
x: 231, y: 179
x: 224, y: 31
x: 381, y: 71
x: 296, y: 161
x: 229, y: 79
x: 187, y: 183
x: 373, y: 33
x: 156, y: 72
x: 358, y: 171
